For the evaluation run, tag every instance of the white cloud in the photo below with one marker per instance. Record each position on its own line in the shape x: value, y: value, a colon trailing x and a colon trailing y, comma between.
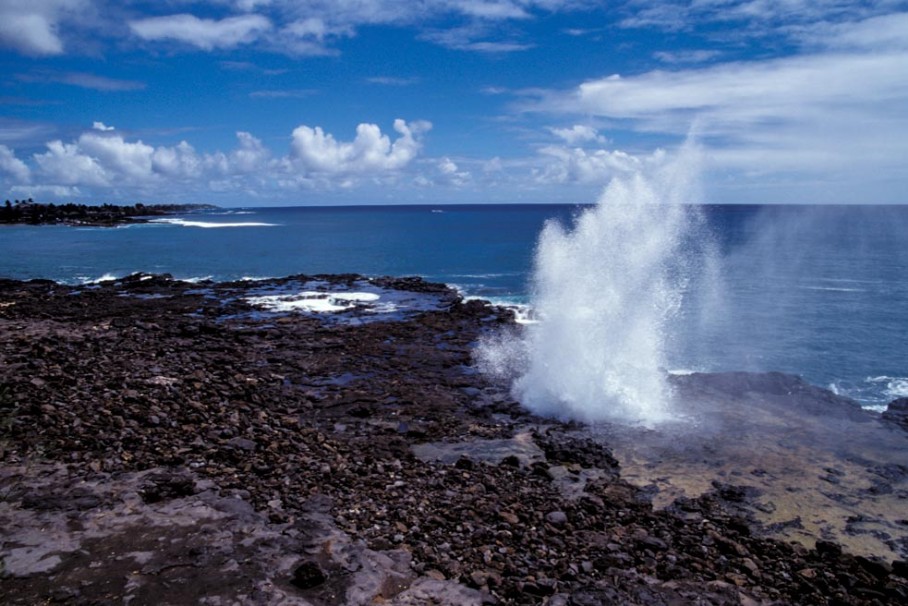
x: 370, y: 151
x: 30, y: 34
x: 31, y: 27
x: 56, y: 191
x: 102, y: 160
x: 576, y: 165
x: 839, y: 112
x: 178, y: 162
x: 251, y: 5
x: 99, y: 159
x: 312, y: 36
x: 491, y: 9
x: 755, y: 17
x: 391, y: 81
x: 451, y: 173
x: 82, y: 80
x: 206, y: 34
x: 65, y: 164
x: 12, y: 166
x: 687, y: 56
x: 577, y: 134
x: 251, y: 155
x: 473, y: 37
x: 876, y: 33
x: 294, y: 27
x: 282, y: 94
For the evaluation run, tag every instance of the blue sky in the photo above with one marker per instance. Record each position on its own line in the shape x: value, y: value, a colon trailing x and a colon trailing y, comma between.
x: 279, y: 102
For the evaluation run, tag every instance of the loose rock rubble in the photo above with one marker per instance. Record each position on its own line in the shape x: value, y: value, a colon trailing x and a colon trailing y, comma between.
x: 166, y: 442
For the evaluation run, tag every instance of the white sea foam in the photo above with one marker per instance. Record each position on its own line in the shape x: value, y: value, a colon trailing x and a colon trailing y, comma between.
x: 255, y: 278
x: 210, y: 224
x: 605, y: 292
x: 523, y: 312
x: 895, y: 387
x: 485, y: 276
x: 682, y: 372
x: 833, y: 289
x: 107, y: 277
x: 313, y: 301
x: 873, y: 393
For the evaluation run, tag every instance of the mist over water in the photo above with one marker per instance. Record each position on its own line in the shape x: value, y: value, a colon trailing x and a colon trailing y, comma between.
x: 607, y: 291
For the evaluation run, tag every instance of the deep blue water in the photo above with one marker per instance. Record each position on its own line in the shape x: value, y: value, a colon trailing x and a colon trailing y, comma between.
x: 816, y: 291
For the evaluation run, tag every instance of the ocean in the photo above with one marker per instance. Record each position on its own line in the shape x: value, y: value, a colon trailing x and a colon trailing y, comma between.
x: 817, y: 291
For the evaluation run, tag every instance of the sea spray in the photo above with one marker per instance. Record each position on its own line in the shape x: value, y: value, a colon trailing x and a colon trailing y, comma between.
x: 606, y: 292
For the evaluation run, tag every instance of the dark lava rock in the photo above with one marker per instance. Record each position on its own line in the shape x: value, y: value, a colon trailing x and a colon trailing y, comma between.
x: 308, y: 575
x: 111, y: 386
x: 560, y: 450
x: 163, y: 486
x: 897, y: 412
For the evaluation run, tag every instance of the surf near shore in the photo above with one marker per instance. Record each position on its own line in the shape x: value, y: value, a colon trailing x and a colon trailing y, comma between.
x: 327, y: 440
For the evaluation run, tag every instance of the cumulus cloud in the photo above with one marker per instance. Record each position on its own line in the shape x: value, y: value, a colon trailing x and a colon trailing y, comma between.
x: 370, y: 151
x: 98, y: 158
x: 178, y: 162
x: 102, y: 159
x: 578, y: 134
x: 251, y: 155
x: 206, y: 34
x: 576, y: 165
x: 65, y: 164
x: 12, y: 166
x: 451, y: 173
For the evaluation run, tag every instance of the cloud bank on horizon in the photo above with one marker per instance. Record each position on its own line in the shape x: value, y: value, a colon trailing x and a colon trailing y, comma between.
x: 273, y: 102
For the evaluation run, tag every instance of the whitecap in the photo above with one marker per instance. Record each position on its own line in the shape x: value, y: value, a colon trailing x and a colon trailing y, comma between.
x: 107, y: 277
x: 255, y: 278
x: 833, y: 289
x: 897, y: 387
x: 682, y: 372
x: 210, y: 224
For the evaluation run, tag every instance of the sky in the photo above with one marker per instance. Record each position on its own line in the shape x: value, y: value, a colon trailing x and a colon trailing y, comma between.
x: 319, y: 102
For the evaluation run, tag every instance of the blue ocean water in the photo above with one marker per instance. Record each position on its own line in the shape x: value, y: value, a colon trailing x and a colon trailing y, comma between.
x: 813, y: 290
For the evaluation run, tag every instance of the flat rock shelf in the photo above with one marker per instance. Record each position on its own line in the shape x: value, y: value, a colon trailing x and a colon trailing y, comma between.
x: 326, y: 440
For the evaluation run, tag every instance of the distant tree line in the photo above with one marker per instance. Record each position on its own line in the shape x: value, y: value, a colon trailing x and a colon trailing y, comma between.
x: 35, y: 213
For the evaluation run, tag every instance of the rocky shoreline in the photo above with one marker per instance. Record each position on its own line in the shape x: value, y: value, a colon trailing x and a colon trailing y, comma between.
x: 29, y: 212
x: 167, y: 442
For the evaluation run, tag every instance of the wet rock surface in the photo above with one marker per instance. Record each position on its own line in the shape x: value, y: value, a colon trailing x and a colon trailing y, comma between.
x: 164, y: 443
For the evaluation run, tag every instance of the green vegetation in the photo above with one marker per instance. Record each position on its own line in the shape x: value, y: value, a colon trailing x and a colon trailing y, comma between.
x: 34, y: 213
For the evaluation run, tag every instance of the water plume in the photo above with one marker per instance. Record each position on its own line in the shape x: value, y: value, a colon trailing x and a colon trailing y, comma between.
x: 606, y: 291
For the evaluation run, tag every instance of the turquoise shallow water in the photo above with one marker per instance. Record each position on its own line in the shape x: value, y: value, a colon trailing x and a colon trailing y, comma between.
x: 816, y: 291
